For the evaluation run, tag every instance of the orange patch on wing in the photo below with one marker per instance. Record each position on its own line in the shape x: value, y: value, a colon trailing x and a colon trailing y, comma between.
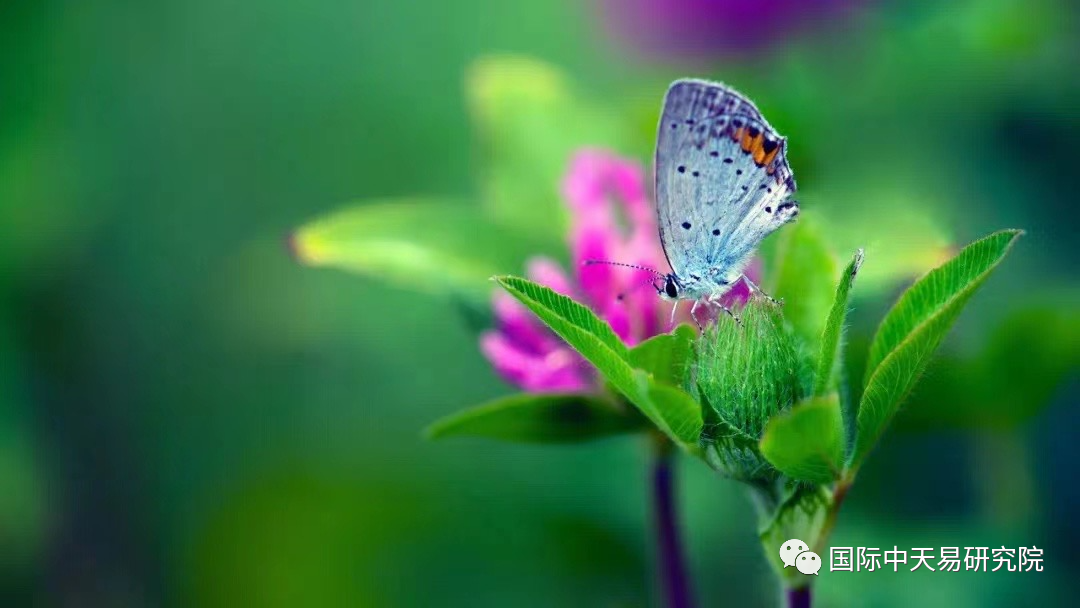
x: 768, y: 158
x: 757, y: 150
x: 737, y: 134
x: 746, y: 141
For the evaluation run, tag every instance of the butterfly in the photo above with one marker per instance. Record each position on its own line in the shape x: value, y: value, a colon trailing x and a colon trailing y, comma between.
x: 723, y: 184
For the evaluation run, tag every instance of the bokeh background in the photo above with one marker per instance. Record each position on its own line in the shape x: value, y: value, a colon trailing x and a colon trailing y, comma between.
x: 190, y: 417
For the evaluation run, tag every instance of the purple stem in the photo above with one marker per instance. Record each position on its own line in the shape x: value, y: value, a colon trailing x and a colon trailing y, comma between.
x: 673, y: 575
x: 799, y: 598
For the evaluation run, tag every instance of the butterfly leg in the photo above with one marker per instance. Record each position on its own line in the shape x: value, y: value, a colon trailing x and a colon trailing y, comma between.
x: 715, y: 300
x: 674, y: 309
x: 755, y: 290
x: 693, y: 309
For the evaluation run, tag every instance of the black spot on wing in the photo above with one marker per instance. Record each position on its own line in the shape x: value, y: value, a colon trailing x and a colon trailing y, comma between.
x: 686, y: 225
x: 716, y: 232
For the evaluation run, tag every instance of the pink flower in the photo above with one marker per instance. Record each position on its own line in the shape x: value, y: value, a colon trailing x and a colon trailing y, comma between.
x: 612, y: 220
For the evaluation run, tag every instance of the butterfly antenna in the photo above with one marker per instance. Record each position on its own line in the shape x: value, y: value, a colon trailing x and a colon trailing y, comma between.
x: 622, y: 295
x: 635, y: 266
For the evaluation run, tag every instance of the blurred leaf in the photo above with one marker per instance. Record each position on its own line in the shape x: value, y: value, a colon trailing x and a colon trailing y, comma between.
x: 802, y: 271
x: 912, y: 330
x: 47, y: 205
x: 1027, y: 359
x: 539, y: 418
x: 529, y: 123
x: 431, y: 246
x: 246, y: 551
x: 831, y: 356
x: 666, y: 356
x: 25, y: 510
x: 807, y: 442
x: 801, y: 515
x: 672, y: 410
x: 904, y: 236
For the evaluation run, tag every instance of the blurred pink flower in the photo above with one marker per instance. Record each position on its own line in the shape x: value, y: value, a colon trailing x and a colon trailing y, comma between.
x: 611, y: 219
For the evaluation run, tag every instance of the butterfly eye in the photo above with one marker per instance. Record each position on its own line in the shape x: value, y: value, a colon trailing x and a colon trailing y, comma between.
x: 671, y: 289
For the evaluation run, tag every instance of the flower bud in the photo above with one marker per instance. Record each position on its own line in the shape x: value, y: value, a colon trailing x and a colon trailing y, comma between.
x: 747, y: 372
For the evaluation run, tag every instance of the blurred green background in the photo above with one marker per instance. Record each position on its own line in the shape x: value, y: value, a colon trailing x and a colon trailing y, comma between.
x: 189, y: 417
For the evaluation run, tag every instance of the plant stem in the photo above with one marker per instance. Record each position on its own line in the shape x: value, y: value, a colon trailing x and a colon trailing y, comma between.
x: 674, y: 577
x: 839, y: 493
x: 799, y: 598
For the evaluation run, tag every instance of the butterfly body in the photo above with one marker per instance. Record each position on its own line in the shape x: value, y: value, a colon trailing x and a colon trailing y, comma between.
x: 722, y: 185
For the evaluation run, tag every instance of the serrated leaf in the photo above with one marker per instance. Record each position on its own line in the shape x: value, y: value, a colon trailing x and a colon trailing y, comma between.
x: 807, y: 442
x: 430, y: 246
x: 801, y: 270
x: 666, y: 356
x: 914, y: 328
x: 670, y: 409
x: 829, y: 359
x: 539, y: 418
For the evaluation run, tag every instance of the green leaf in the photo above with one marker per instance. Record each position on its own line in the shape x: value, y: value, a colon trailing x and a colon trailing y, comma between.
x: 679, y: 414
x: 829, y: 360
x: 529, y: 122
x: 432, y: 246
x: 801, y: 515
x: 580, y: 327
x: 802, y: 271
x: 539, y: 418
x: 807, y: 441
x: 670, y: 409
x: 732, y: 452
x: 666, y: 356
x: 914, y: 328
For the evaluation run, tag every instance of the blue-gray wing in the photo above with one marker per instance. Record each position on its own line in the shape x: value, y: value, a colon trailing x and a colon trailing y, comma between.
x: 722, y: 179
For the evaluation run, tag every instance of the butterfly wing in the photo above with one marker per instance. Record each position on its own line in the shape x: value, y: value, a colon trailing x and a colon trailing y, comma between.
x: 722, y: 180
